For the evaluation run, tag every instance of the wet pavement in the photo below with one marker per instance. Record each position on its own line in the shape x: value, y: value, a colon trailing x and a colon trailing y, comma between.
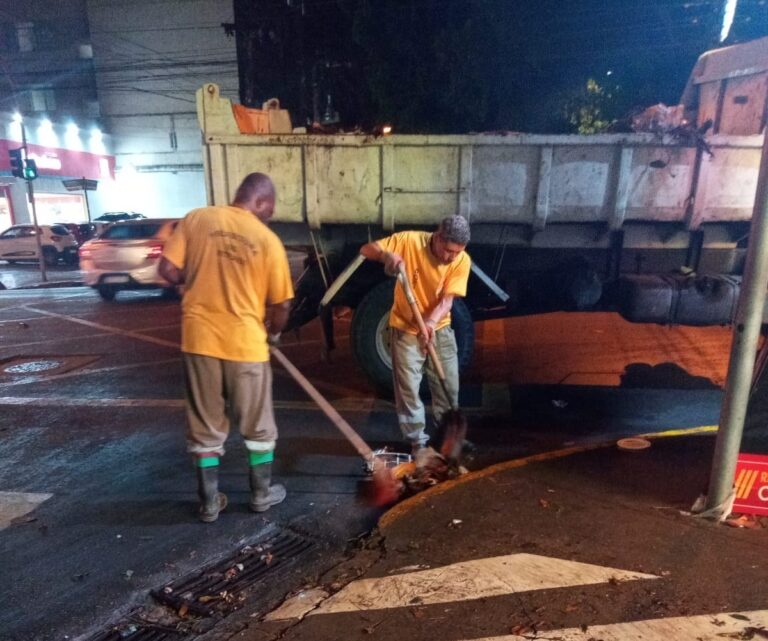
x: 98, y: 497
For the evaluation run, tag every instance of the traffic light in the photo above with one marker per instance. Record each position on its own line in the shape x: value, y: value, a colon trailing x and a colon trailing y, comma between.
x: 17, y: 163
x: 30, y: 169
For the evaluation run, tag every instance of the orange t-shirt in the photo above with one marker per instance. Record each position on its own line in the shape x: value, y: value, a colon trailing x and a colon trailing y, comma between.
x: 430, y: 279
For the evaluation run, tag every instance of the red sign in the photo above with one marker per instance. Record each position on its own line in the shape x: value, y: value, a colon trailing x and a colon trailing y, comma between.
x: 751, y: 484
x: 53, y: 161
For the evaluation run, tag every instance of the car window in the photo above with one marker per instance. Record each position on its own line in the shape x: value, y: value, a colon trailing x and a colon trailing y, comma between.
x: 59, y: 229
x: 26, y: 231
x: 13, y: 232
x: 130, y: 232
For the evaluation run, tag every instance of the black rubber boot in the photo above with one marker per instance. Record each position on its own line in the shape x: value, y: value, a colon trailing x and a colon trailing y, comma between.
x: 211, y: 500
x: 264, y: 496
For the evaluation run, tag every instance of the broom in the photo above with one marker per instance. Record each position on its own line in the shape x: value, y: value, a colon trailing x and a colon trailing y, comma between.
x: 385, y: 488
x: 452, y: 427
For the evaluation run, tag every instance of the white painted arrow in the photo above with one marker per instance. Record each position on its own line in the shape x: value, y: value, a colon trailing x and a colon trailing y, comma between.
x: 705, y: 627
x: 495, y: 576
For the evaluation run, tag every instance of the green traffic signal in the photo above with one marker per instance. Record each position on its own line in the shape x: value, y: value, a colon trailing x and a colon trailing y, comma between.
x: 30, y: 169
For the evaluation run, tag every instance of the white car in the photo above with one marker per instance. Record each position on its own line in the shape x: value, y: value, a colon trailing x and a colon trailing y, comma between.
x: 19, y: 243
x: 126, y: 255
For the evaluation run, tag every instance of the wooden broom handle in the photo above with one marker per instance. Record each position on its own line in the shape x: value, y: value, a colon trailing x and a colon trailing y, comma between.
x: 345, y: 428
x: 436, y: 362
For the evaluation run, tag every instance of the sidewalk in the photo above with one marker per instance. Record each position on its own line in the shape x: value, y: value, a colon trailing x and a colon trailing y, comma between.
x: 579, y: 545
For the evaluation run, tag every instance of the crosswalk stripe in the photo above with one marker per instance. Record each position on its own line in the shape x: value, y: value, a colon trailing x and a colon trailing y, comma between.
x: 17, y: 504
x: 467, y: 580
x: 705, y: 627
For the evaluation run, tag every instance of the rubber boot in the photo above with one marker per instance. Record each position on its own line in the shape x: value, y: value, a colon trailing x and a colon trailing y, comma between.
x: 264, y: 496
x: 211, y: 500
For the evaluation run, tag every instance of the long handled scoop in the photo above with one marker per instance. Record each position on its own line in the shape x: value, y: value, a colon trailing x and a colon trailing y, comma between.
x: 385, y: 487
x: 453, y: 423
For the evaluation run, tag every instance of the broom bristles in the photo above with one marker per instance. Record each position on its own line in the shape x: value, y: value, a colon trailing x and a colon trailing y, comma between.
x: 385, y: 489
x: 452, y: 432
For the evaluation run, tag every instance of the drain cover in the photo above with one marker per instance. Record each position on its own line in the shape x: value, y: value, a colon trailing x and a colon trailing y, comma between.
x: 32, y: 367
x: 44, y: 365
x: 219, y: 589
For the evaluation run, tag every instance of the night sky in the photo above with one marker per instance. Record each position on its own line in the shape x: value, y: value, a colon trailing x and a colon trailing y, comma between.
x: 448, y: 66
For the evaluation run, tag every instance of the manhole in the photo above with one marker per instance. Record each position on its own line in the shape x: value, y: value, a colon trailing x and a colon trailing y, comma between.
x: 44, y: 365
x: 32, y: 367
x: 219, y: 589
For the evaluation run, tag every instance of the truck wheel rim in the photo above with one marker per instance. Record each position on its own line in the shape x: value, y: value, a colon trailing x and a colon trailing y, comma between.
x: 382, y: 340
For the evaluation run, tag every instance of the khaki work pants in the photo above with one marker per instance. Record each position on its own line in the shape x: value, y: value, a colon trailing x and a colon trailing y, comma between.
x: 408, y: 366
x: 223, y: 393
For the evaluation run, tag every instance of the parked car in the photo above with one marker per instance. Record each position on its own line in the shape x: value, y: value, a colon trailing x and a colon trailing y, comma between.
x: 19, y: 243
x: 116, y: 216
x: 126, y: 255
x: 81, y: 231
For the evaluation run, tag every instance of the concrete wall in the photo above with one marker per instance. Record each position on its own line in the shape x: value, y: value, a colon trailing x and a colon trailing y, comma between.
x: 150, y: 57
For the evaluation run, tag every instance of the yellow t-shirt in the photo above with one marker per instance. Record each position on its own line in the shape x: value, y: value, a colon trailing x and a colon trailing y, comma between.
x: 430, y: 279
x: 234, y: 266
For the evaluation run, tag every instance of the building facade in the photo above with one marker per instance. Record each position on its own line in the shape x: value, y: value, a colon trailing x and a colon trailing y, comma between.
x: 150, y: 58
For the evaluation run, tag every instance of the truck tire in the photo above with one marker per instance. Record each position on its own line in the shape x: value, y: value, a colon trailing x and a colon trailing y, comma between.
x: 370, y: 345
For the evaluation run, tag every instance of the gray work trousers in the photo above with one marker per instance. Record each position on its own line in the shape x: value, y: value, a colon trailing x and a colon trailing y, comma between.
x: 221, y: 393
x: 408, y: 366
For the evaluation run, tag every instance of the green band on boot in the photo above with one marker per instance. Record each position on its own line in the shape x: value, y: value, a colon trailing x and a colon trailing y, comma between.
x: 207, y: 461
x: 259, y: 458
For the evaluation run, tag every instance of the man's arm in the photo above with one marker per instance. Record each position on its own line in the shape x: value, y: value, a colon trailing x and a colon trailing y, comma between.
x: 170, y: 272
x: 275, y: 319
x: 372, y: 251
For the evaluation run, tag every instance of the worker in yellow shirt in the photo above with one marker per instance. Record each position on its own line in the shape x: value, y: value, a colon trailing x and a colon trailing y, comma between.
x: 237, y: 293
x: 438, y: 268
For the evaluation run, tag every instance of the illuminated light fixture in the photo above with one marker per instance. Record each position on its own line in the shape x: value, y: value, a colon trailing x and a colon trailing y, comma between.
x: 729, y: 12
x: 72, y: 136
x: 17, y: 117
x: 609, y: 72
x: 46, y: 134
x: 97, y: 141
x: 386, y: 130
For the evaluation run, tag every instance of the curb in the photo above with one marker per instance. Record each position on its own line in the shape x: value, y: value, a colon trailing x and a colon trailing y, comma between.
x: 404, y: 507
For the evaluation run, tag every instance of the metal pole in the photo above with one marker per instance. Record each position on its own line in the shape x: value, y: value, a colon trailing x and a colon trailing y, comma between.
x: 746, y: 332
x: 87, y: 204
x: 31, y: 198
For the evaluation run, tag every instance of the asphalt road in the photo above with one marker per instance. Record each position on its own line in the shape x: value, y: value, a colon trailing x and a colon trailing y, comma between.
x: 91, y: 437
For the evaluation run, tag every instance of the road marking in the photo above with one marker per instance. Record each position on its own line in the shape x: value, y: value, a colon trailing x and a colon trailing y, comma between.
x: 17, y: 504
x: 705, y: 627
x: 106, y: 328
x: 468, y: 580
x: 343, y: 405
x: 59, y: 339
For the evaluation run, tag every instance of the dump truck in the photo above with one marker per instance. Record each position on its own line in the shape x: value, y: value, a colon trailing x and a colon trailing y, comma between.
x: 652, y: 225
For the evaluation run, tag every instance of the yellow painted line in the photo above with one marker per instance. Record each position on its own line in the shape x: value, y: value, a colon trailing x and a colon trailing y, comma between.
x: 404, y: 507
x: 471, y: 580
x: 706, y: 627
x: 106, y: 328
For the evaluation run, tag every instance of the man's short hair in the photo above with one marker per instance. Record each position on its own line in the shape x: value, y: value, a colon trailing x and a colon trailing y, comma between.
x: 255, y: 185
x: 454, y: 229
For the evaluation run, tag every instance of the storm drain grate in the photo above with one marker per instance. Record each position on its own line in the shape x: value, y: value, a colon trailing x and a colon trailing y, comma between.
x: 215, y: 591
x: 219, y: 588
